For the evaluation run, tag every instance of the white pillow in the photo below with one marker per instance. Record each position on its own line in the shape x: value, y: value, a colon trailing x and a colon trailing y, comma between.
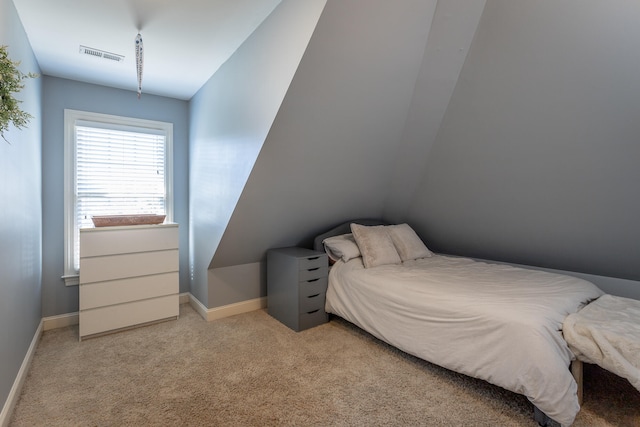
x: 342, y: 247
x: 375, y: 245
x: 407, y: 242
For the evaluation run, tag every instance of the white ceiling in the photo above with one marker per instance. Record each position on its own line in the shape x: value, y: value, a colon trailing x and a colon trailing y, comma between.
x: 185, y: 41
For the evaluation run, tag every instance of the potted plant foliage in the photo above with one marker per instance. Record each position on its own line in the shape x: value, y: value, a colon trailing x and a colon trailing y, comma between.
x: 11, y: 82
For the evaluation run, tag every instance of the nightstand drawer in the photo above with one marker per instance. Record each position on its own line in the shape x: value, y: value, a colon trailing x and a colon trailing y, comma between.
x: 312, y: 262
x: 314, y: 318
x: 312, y: 287
x: 311, y: 303
x: 313, y: 273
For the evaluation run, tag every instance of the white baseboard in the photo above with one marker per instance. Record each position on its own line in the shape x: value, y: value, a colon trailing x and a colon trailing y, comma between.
x: 184, y: 298
x: 236, y: 308
x: 200, y: 308
x: 60, y: 321
x: 215, y: 313
x: 16, y: 389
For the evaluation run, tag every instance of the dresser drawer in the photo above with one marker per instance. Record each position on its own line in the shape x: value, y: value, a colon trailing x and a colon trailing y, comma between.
x: 311, y: 303
x: 113, y: 267
x: 312, y: 287
x: 313, y: 318
x: 123, y: 240
x: 125, y: 315
x: 312, y: 262
x: 99, y: 294
x: 313, y: 273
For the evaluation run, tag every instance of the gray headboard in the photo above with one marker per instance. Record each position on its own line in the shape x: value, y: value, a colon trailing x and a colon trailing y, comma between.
x: 343, y: 228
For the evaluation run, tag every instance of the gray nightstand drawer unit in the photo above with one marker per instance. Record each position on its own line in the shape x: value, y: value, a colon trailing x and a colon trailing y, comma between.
x: 296, y: 286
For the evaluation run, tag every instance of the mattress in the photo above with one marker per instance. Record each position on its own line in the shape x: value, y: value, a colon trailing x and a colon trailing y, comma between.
x: 495, y: 322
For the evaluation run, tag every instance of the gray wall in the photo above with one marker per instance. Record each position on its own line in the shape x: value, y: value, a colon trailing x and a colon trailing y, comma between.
x: 330, y: 151
x: 536, y: 161
x: 229, y: 121
x: 452, y: 30
x: 20, y: 213
x: 522, y: 150
x: 60, y: 94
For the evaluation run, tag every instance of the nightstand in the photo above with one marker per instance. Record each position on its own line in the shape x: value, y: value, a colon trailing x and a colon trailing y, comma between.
x: 296, y: 286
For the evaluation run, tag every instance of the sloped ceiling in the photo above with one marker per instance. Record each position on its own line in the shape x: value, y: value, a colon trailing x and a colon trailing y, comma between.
x: 330, y: 149
x: 230, y: 120
x: 335, y: 147
x: 185, y: 41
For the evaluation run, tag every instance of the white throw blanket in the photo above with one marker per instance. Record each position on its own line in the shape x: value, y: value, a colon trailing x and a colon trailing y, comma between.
x: 607, y: 333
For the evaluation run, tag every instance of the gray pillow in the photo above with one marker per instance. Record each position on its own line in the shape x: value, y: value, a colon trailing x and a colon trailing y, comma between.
x: 342, y: 247
x: 375, y: 245
x: 407, y: 242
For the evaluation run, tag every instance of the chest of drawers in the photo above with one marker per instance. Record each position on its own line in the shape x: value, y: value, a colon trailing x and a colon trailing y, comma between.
x: 128, y: 276
x: 296, y: 286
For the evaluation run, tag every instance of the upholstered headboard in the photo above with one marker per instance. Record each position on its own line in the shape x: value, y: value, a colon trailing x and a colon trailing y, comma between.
x: 343, y: 228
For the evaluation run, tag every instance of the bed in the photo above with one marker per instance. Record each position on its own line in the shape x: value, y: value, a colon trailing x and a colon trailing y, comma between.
x: 499, y: 323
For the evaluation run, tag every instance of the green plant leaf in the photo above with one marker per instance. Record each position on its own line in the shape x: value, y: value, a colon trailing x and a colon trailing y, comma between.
x: 11, y: 82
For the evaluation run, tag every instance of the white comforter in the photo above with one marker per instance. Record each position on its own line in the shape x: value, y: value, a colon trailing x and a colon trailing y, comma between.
x: 495, y: 322
x: 607, y: 333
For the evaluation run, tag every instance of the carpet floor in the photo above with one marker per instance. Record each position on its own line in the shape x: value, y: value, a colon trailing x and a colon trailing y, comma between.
x: 250, y: 370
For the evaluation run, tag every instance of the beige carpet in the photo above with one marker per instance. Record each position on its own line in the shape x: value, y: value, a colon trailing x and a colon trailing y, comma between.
x: 250, y: 370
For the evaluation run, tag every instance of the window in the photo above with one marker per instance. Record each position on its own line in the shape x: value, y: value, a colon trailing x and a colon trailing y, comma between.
x: 113, y: 166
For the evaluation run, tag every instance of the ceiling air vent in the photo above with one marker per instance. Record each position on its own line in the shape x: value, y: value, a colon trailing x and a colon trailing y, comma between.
x: 97, y: 53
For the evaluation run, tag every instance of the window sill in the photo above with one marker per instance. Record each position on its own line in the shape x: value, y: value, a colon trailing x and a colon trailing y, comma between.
x: 71, y: 280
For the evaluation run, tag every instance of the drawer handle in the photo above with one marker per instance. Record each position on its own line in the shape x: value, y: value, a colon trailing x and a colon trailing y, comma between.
x: 312, y: 258
x: 314, y: 311
x: 314, y: 269
x: 313, y: 280
x: 313, y: 296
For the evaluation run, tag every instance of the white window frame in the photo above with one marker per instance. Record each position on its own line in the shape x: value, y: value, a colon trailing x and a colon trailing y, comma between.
x: 73, y: 117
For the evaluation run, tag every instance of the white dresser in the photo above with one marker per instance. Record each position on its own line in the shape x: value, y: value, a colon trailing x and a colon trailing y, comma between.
x: 128, y: 276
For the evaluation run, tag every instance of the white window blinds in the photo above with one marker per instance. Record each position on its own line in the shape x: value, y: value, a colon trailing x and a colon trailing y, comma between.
x: 113, y: 165
x: 118, y: 172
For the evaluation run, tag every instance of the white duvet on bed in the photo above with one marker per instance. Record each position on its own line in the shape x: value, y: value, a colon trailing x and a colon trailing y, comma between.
x: 495, y: 322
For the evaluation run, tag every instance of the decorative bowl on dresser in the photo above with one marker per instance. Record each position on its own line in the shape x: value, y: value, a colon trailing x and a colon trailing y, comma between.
x: 115, y: 220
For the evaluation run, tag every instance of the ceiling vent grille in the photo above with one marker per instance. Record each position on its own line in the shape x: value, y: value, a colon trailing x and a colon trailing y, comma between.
x: 97, y: 53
